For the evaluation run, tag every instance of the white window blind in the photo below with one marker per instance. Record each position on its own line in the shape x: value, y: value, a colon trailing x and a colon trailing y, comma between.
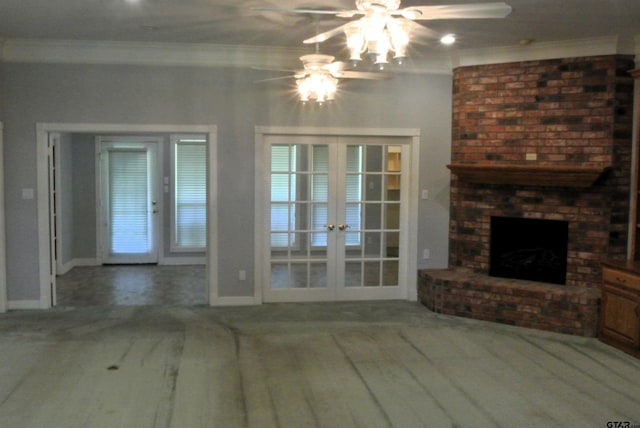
x: 320, y: 188
x: 190, y: 193
x: 283, y: 194
x: 319, y: 194
x: 354, y: 191
x: 128, y: 202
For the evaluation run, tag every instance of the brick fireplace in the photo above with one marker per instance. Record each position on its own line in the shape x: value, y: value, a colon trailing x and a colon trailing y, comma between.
x: 522, y: 133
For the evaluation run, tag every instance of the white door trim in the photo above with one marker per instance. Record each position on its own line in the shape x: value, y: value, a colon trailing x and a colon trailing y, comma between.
x: 3, y: 258
x: 44, y: 251
x: 408, y: 265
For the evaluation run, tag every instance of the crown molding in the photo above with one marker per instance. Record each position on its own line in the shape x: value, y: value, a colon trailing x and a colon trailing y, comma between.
x: 611, y: 45
x: 143, y: 53
x: 177, y: 54
x: 211, y: 55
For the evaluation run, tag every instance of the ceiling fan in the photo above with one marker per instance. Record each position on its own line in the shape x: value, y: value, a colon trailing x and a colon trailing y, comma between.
x: 384, y: 27
x: 318, y: 80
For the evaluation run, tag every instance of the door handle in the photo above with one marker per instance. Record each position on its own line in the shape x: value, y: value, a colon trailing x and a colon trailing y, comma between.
x: 342, y: 227
x: 330, y: 227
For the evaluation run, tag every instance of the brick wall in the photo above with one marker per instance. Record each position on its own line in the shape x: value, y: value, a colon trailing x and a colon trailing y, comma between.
x: 575, y: 111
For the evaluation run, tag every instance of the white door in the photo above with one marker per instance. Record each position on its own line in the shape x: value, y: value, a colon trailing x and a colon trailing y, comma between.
x: 335, y: 229
x: 130, y: 205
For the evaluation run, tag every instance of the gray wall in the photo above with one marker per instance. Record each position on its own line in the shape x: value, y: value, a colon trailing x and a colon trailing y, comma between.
x: 84, y: 197
x: 228, y: 98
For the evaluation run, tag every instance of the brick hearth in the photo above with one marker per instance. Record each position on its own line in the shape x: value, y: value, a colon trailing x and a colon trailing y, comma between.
x: 572, y: 112
x: 461, y: 292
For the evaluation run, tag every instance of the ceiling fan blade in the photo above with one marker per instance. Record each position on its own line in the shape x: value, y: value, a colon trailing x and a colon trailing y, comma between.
x: 272, y: 79
x: 285, y: 70
x: 319, y: 38
x: 457, y: 11
x: 369, y: 75
x: 300, y: 10
x: 336, y: 66
x: 424, y: 32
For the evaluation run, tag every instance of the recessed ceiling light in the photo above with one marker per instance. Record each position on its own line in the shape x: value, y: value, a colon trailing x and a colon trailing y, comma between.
x: 448, y: 39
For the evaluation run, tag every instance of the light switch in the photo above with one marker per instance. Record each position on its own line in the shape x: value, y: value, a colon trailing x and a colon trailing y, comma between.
x: 27, y: 193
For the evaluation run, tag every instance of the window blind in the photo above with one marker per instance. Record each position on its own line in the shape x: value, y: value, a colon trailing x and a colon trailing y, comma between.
x: 128, y: 202
x: 190, y: 194
x: 283, y: 194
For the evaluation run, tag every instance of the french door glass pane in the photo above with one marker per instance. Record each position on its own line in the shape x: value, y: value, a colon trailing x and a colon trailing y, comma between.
x: 128, y: 202
x: 299, y: 215
x: 308, y: 192
x: 283, y: 187
x: 353, y: 274
x: 372, y: 212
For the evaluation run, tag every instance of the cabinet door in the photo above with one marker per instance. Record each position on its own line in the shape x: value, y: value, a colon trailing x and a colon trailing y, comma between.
x: 619, y: 316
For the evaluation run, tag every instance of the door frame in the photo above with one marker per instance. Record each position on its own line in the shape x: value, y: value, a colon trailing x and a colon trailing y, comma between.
x: 44, y: 230
x: 408, y: 267
x: 3, y: 258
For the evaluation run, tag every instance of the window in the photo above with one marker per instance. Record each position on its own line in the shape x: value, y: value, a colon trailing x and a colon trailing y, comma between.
x: 189, y: 198
x: 319, y: 194
x: 300, y: 195
x: 353, y: 205
x: 128, y: 184
x: 283, y: 193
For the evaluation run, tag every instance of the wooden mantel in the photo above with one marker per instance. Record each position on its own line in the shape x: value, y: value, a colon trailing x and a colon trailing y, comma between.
x: 528, y: 175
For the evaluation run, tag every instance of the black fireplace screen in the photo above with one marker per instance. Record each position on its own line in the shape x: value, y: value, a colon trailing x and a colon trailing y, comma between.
x: 532, y: 249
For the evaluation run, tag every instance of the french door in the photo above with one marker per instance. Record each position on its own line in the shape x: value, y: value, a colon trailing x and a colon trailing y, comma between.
x: 129, y: 204
x: 335, y: 210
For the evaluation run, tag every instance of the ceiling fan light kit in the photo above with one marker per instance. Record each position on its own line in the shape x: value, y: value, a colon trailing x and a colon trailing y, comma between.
x: 317, y: 86
x: 383, y: 28
x: 317, y: 83
x: 377, y: 36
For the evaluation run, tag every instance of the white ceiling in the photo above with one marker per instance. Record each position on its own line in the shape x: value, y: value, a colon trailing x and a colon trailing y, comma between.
x: 233, y: 22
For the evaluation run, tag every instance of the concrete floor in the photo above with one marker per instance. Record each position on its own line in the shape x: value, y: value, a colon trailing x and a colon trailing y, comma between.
x: 375, y: 364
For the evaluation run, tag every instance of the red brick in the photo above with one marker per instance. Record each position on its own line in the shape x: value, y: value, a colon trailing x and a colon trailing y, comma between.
x: 560, y: 123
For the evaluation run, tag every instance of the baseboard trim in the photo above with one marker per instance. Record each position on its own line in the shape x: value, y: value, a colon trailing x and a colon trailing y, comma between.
x: 85, y: 262
x: 234, y: 301
x: 168, y: 261
x: 175, y: 261
x: 66, y: 267
x: 22, y: 305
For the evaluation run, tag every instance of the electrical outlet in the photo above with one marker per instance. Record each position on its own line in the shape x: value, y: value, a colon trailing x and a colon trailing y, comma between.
x: 242, y: 275
x: 426, y: 253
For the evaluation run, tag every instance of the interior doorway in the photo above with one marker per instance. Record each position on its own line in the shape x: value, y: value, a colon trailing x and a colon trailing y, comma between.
x: 336, y: 214
x: 49, y: 219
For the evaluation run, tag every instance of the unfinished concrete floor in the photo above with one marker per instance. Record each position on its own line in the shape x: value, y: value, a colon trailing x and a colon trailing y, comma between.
x: 375, y: 364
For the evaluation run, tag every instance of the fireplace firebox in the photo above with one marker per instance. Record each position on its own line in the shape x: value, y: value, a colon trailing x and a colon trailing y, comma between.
x: 530, y: 249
